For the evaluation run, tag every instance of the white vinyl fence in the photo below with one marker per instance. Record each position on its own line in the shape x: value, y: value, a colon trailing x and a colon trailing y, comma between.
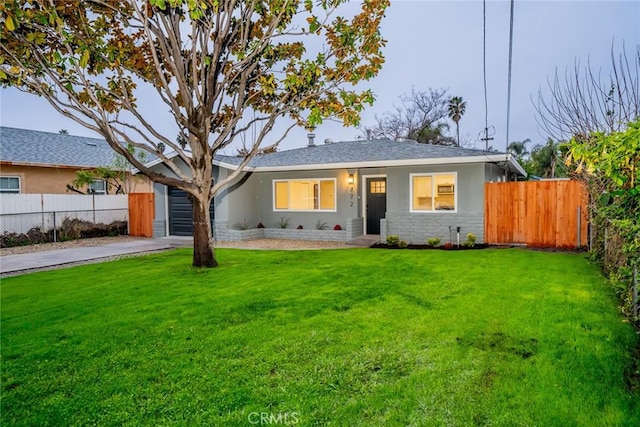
x: 20, y: 213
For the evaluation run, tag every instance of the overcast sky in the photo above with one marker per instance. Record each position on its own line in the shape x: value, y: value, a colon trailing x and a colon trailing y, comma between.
x: 438, y: 44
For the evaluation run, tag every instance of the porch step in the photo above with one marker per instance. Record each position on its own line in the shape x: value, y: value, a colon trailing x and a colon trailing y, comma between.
x: 365, y: 240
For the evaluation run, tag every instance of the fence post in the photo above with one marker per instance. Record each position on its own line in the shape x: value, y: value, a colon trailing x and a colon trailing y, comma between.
x: 42, y: 211
x: 93, y: 202
x: 579, y: 226
x: 55, y: 228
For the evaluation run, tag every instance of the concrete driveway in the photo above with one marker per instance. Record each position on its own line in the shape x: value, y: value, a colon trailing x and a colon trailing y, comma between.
x: 23, y: 263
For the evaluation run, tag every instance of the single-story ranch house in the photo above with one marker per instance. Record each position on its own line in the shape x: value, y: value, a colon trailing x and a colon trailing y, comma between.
x: 378, y: 187
x: 44, y: 162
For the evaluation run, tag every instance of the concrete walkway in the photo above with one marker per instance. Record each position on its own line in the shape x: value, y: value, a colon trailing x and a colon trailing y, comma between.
x: 15, y: 264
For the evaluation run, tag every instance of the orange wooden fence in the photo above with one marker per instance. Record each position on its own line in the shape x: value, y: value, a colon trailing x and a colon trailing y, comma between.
x: 141, y: 214
x: 536, y: 213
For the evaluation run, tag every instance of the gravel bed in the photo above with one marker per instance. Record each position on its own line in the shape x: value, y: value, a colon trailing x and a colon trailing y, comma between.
x: 281, y: 244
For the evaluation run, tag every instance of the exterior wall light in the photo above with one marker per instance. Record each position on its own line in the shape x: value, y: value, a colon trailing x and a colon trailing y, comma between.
x: 350, y: 179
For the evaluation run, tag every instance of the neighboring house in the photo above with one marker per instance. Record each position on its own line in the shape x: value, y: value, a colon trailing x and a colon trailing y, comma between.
x: 43, y: 162
x: 416, y: 191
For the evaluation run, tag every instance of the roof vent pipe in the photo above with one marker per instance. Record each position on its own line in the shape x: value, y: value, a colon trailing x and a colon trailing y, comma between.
x: 311, y: 137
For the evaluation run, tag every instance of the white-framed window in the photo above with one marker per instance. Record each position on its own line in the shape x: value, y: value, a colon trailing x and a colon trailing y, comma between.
x: 434, y: 192
x: 10, y: 184
x: 98, y: 186
x: 304, y: 195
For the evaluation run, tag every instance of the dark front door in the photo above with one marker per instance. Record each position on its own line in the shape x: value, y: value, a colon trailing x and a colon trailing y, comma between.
x: 180, y: 214
x: 376, y: 203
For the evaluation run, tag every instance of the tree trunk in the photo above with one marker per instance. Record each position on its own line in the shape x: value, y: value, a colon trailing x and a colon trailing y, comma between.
x: 458, y: 132
x: 203, y: 255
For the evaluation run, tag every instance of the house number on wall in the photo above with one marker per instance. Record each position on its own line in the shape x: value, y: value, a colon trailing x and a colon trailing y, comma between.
x: 351, y: 196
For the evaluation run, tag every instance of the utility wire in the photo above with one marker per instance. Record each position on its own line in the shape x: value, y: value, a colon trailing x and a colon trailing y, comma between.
x: 484, y: 64
x: 509, y: 75
x: 486, y: 137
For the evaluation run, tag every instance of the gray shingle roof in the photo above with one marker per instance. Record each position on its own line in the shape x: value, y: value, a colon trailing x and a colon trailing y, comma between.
x: 30, y: 146
x: 356, y: 152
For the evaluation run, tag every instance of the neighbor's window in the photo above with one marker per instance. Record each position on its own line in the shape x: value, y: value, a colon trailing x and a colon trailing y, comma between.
x: 10, y: 184
x: 433, y: 192
x: 305, y: 195
x: 98, y: 186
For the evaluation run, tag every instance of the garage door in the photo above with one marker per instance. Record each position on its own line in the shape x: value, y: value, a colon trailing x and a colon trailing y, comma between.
x: 180, y: 216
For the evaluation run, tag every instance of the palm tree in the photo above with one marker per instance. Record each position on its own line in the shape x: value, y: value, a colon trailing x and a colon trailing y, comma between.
x: 519, y: 149
x: 433, y: 134
x: 547, y: 161
x: 456, y: 109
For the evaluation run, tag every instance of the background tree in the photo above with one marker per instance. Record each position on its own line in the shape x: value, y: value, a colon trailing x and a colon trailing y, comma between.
x: 208, y: 63
x: 547, y: 161
x: 420, y: 117
x: 583, y: 102
x: 456, y: 108
x: 118, y: 177
x: 63, y: 132
x: 519, y: 149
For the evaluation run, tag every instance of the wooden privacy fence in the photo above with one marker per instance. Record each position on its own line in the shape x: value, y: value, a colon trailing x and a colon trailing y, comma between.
x: 536, y: 213
x: 141, y: 214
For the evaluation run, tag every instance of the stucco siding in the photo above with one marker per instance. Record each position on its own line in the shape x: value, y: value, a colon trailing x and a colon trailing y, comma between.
x: 346, y: 204
x: 54, y: 180
x: 160, y: 201
x: 242, y: 200
x: 416, y: 227
x: 493, y: 173
x: 160, y: 210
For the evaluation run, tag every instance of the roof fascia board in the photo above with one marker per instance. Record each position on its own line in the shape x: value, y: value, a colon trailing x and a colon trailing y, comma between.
x: 44, y: 165
x: 375, y: 163
x: 158, y: 161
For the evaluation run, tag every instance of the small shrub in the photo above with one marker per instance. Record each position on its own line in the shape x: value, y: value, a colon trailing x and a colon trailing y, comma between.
x: 433, y: 242
x: 284, y: 222
x: 393, y: 240
x: 448, y: 245
x: 471, y: 240
x: 245, y: 224
x: 260, y: 225
x: 337, y: 227
x: 402, y: 244
x: 300, y: 227
x: 321, y: 225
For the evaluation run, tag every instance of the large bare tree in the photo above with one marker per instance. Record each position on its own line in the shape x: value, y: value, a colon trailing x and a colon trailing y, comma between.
x: 420, y: 117
x: 219, y: 67
x: 584, y: 101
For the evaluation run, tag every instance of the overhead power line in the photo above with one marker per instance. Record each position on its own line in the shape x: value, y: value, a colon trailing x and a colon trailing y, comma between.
x: 509, y: 73
x: 486, y: 138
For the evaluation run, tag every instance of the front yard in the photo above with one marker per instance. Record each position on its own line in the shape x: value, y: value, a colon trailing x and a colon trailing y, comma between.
x: 341, y: 337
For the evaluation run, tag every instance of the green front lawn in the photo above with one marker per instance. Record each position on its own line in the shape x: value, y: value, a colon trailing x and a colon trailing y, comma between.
x: 340, y: 337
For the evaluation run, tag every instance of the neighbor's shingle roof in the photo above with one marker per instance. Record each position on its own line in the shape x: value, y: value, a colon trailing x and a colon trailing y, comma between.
x: 30, y: 146
x: 356, y: 152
